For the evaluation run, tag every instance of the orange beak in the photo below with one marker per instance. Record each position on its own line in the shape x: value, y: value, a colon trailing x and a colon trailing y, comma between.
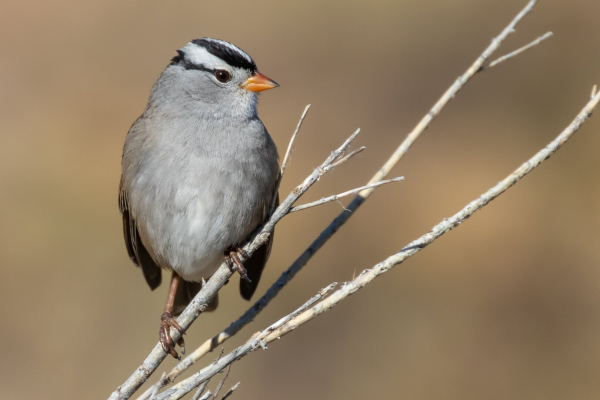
x: 258, y: 82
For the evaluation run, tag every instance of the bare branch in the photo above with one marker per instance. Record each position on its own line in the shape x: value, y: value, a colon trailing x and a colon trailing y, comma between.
x: 156, y: 387
x: 347, y: 157
x: 336, y: 197
x: 200, y: 390
x: 341, y: 219
x: 316, y: 298
x: 206, y: 396
x: 207, y: 346
x: 180, y: 388
x: 230, y: 391
x: 222, y: 275
x: 220, y: 386
x: 268, y: 335
x: 187, y: 385
x: 517, y: 52
x: 290, y: 148
x: 287, y: 159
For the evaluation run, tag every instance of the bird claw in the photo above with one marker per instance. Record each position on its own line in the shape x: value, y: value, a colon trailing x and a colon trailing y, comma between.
x: 233, y: 260
x: 167, y: 321
x: 243, y: 253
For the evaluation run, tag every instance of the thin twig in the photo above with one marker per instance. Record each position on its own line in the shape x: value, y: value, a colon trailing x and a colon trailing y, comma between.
x: 156, y: 387
x: 183, y: 388
x: 200, y: 390
x: 287, y: 159
x: 220, y: 386
x: 335, y: 197
x: 206, y: 396
x: 341, y: 219
x: 290, y: 148
x: 222, y: 275
x: 315, y: 299
x: 517, y: 52
x: 230, y: 391
x: 347, y: 157
x: 415, y: 246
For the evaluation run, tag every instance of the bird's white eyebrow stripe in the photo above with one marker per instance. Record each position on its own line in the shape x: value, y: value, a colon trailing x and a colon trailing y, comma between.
x: 196, y: 56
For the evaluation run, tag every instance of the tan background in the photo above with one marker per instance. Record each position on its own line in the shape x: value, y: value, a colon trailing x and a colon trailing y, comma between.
x: 506, y: 306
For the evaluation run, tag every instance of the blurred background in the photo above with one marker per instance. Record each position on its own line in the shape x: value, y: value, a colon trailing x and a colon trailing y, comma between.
x: 505, y: 306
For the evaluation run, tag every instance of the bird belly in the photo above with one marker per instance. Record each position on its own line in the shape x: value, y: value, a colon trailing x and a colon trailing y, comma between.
x: 198, y: 237
x: 188, y: 227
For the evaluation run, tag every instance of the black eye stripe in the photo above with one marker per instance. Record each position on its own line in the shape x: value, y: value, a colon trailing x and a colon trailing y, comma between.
x: 189, y: 65
x: 186, y: 64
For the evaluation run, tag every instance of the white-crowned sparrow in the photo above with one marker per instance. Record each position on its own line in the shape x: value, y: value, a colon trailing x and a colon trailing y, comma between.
x: 199, y: 173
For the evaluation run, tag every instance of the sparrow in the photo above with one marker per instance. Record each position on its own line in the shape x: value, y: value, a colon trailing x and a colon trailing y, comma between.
x: 199, y: 174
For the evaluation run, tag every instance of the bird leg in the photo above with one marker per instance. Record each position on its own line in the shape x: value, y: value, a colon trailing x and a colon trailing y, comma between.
x: 167, y: 321
x: 233, y: 259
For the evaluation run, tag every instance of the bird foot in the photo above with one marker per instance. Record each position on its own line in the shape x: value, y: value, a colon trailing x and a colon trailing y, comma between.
x: 167, y: 321
x: 233, y: 260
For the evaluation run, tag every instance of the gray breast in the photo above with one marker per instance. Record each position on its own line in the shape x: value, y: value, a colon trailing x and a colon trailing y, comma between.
x: 197, y: 190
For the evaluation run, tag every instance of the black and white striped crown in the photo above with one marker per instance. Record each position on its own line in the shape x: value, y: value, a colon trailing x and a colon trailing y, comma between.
x: 207, y: 52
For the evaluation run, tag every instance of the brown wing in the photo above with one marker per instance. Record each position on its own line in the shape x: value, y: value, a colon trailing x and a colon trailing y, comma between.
x: 257, y: 262
x: 135, y: 248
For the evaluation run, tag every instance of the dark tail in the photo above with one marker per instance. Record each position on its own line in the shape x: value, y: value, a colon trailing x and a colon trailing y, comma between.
x: 186, y: 291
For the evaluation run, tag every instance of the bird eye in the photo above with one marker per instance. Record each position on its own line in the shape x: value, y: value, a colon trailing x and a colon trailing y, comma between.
x: 222, y: 75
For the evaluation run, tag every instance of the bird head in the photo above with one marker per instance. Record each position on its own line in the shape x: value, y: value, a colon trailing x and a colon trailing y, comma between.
x: 217, y: 73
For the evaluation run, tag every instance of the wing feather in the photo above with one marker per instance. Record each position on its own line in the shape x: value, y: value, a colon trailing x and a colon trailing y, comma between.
x: 135, y: 248
x: 256, y: 264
